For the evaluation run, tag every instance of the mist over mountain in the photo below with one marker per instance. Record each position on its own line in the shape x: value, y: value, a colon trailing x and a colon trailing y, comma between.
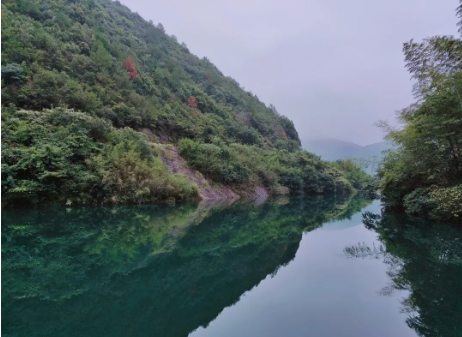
x: 331, y: 149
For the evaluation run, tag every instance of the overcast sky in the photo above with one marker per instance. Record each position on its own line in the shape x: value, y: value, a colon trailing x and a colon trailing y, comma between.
x: 334, y: 67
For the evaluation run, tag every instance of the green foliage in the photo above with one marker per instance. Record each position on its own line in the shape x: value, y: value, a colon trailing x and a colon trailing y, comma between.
x: 117, y: 71
x: 449, y: 202
x: 74, y: 158
x: 61, y: 53
x: 418, y: 202
x: 250, y: 165
x: 429, y: 153
x: 354, y: 174
x: 12, y: 73
x: 219, y: 163
x: 127, y: 177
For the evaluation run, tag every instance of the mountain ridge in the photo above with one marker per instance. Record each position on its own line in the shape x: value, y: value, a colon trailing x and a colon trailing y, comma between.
x: 331, y: 149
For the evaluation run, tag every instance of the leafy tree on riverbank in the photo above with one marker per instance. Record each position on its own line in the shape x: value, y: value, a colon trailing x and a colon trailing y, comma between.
x: 424, y: 175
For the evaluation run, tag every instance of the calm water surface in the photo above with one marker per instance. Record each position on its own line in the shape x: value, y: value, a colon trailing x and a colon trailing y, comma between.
x: 318, y: 266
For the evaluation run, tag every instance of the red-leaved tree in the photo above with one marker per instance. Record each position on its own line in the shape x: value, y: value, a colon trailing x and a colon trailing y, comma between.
x: 192, y: 103
x: 130, y: 67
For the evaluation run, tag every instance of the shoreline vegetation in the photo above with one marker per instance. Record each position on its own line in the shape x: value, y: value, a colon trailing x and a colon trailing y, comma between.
x: 423, y: 176
x: 100, y: 106
x: 75, y: 159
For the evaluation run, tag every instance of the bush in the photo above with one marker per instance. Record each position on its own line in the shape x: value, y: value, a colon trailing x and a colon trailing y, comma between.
x: 357, y: 177
x: 449, y: 203
x: 125, y: 177
x: 250, y: 166
x: 218, y: 163
x: 418, y: 202
x: 440, y: 203
x: 70, y: 157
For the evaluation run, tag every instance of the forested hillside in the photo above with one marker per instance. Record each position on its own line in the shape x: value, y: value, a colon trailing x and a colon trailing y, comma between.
x: 83, y: 80
x: 98, y: 57
x: 424, y: 175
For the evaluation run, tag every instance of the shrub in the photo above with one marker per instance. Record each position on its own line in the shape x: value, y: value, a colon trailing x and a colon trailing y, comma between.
x: 357, y: 177
x: 249, y: 166
x: 449, y: 203
x: 218, y: 163
x: 126, y: 177
x: 66, y: 156
x: 418, y: 202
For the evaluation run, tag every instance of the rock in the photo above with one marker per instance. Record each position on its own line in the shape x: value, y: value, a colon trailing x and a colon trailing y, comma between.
x: 207, y: 190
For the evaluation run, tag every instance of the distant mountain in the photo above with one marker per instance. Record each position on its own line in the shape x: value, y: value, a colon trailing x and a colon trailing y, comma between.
x: 331, y: 149
x: 334, y: 149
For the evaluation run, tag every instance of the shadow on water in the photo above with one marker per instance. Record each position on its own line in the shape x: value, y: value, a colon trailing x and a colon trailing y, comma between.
x: 424, y: 259
x: 146, y: 270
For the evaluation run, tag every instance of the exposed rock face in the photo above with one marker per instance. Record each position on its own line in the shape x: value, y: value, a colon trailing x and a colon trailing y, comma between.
x: 209, y: 192
x: 207, y: 189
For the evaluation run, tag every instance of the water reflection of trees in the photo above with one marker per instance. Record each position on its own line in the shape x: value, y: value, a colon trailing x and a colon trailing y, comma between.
x: 424, y: 259
x: 146, y: 270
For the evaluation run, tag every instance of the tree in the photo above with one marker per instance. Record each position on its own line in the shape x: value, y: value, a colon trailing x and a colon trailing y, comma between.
x: 431, y: 61
x: 12, y: 73
x: 274, y: 110
x: 192, y: 102
x: 130, y: 66
x: 101, y: 56
x: 428, y: 162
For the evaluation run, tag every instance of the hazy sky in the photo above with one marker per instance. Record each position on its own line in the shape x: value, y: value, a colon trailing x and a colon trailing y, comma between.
x: 334, y: 67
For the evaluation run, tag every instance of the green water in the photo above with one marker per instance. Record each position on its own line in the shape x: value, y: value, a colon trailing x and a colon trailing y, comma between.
x: 317, y: 266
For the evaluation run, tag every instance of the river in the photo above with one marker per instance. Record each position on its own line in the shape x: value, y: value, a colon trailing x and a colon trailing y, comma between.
x: 300, y: 266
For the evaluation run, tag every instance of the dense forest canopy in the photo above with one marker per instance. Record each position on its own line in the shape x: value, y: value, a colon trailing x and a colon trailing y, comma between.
x: 424, y: 175
x: 99, y: 57
x: 83, y: 80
